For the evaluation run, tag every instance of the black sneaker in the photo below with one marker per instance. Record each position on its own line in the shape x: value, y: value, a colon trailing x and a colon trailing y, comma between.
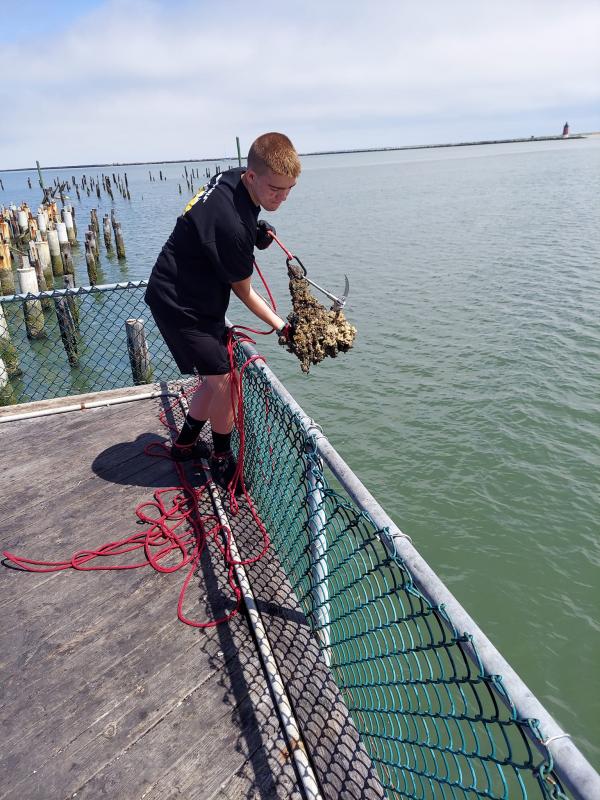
x: 190, y: 452
x: 222, y: 469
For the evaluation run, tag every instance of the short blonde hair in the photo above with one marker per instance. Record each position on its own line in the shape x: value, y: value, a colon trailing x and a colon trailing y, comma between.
x: 274, y: 151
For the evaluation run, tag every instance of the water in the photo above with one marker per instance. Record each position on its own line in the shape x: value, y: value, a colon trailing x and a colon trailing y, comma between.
x: 470, y: 403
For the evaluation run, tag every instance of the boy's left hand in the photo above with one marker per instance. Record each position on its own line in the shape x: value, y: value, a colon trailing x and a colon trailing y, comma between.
x: 263, y: 240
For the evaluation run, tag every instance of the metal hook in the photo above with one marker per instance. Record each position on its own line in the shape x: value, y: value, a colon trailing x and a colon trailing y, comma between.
x: 338, y: 302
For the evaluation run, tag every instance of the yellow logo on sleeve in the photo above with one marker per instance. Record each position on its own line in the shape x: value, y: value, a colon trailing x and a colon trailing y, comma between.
x: 195, y: 199
x: 204, y: 193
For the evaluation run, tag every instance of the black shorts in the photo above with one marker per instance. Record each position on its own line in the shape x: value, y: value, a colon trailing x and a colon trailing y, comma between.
x: 195, y: 349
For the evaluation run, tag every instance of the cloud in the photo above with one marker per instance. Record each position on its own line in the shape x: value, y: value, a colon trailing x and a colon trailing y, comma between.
x: 132, y: 80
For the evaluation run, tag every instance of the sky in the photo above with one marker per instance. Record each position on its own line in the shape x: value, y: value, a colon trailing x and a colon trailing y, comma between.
x: 116, y: 81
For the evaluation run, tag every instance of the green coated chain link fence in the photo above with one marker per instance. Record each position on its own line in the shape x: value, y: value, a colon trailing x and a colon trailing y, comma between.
x: 434, y: 720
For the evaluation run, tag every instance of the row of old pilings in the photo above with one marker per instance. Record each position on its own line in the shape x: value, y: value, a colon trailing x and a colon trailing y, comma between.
x: 47, y: 240
x: 195, y: 173
x: 90, y: 185
x: 38, y: 249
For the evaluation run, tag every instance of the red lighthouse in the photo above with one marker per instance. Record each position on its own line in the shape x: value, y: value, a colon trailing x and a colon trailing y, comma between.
x: 565, y: 129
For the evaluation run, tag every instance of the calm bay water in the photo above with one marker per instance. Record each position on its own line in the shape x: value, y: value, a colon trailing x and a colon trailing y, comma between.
x: 470, y: 405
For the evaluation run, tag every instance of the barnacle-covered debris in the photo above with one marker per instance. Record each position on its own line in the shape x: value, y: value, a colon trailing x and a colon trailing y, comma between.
x: 316, y: 332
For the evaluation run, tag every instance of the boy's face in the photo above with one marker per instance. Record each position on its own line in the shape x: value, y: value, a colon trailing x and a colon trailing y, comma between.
x: 268, y: 190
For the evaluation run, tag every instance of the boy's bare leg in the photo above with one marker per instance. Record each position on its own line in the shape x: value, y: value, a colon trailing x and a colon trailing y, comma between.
x: 212, y: 400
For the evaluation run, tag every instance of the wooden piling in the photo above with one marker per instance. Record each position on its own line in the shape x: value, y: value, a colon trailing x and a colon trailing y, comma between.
x: 68, y: 330
x: 137, y: 348
x: 94, y: 220
x: 7, y: 279
x: 42, y: 224
x: 32, y: 309
x: 6, y: 393
x: 43, y: 253
x: 91, y: 264
x: 69, y: 283
x: 33, y: 228
x: 22, y: 220
x: 119, y: 241
x: 55, y: 255
x: 65, y: 248
x: 39, y: 274
x: 5, y: 232
x: 91, y: 237
x: 67, y: 217
x: 67, y: 258
x: 8, y: 352
x: 107, y: 233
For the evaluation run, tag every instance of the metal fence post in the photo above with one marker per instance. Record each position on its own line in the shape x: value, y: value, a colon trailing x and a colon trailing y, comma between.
x: 319, y: 571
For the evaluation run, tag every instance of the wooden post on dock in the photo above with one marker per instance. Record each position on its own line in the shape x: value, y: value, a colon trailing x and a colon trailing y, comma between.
x: 8, y: 352
x: 137, y: 348
x: 7, y: 279
x: 32, y: 309
x: 68, y: 330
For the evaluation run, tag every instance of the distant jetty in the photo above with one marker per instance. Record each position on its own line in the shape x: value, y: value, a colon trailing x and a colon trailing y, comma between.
x: 449, y: 144
x: 316, y: 152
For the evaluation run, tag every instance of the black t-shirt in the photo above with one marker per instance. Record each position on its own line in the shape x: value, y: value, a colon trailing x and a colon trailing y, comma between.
x: 210, y: 248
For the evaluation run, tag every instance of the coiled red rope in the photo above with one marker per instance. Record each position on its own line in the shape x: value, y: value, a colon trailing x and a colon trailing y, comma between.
x: 176, y: 533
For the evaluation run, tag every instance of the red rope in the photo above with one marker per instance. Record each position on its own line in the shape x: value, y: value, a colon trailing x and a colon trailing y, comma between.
x: 175, y: 527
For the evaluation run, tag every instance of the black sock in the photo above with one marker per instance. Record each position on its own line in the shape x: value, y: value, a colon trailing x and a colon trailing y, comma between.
x: 190, y: 430
x: 222, y: 442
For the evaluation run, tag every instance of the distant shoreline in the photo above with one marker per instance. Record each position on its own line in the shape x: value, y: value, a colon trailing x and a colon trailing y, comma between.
x: 313, y: 153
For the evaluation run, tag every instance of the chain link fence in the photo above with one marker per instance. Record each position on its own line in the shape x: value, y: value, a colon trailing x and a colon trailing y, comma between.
x: 435, y: 718
x: 74, y: 341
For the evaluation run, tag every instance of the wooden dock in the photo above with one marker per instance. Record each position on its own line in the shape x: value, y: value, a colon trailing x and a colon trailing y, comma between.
x: 104, y: 693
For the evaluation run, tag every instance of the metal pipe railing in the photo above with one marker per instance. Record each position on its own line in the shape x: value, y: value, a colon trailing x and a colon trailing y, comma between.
x: 75, y: 292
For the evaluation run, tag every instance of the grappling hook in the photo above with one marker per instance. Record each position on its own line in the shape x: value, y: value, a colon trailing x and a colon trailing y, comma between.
x: 338, y: 302
x: 294, y: 269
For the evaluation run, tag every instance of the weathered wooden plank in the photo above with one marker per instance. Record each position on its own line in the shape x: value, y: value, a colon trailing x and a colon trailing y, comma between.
x: 191, y: 757
x: 120, y: 463
x: 62, y: 515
